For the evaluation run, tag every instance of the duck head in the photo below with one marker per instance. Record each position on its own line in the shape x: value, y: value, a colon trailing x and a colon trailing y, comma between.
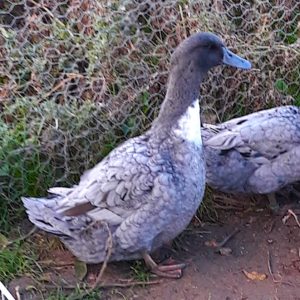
x: 190, y: 62
x: 203, y: 51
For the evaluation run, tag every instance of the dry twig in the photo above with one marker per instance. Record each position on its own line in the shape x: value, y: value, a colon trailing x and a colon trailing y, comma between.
x: 17, y: 289
x: 295, y: 217
x: 226, y: 239
x: 270, y: 268
x: 291, y: 213
x: 108, y: 248
x: 62, y: 83
x: 106, y: 285
x: 24, y: 237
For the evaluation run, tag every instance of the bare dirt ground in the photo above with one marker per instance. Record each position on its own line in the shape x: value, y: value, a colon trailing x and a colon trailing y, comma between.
x: 263, y: 244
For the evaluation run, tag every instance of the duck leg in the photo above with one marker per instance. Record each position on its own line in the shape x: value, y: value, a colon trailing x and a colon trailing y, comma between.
x: 169, y: 271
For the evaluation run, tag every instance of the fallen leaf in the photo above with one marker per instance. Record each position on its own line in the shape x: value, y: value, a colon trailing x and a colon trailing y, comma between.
x: 3, y: 241
x: 225, y: 251
x: 254, y: 275
x: 80, y: 269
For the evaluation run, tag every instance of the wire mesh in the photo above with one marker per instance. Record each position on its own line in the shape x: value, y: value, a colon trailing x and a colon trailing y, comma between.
x: 79, y: 77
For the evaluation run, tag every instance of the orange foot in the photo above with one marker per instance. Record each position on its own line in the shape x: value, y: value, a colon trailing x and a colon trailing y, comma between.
x: 173, y: 271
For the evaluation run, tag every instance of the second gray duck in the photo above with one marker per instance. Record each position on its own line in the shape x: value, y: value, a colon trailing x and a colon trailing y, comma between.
x: 255, y: 154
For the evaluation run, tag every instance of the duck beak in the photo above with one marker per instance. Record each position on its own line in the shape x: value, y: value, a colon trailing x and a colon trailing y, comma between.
x: 231, y: 59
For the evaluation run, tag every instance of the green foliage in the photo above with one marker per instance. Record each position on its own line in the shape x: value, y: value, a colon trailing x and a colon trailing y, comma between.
x: 44, y: 144
x: 15, y: 260
x: 77, y: 81
x: 289, y: 32
x: 292, y: 89
x: 78, y: 294
x: 139, y: 272
x: 23, y: 168
x: 281, y: 86
x: 206, y: 210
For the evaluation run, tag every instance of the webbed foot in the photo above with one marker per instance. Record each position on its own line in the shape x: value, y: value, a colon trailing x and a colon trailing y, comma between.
x: 173, y: 271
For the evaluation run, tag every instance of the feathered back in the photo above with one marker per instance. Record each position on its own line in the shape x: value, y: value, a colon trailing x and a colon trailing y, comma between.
x: 256, y: 153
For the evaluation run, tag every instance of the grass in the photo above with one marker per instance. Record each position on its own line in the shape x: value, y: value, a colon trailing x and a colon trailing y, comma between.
x: 78, y: 294
x: 22, y: 165
x: 46, y: 80
x: 206, y: 210
x: 46, y: 144
x: 68, y: 96
x: 139, y: 273
x: 18, y: 259
x: 290, y: 88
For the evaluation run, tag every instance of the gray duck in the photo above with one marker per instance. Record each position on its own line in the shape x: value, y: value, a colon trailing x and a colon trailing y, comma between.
x: 255, y: 154
x: 146, y: 191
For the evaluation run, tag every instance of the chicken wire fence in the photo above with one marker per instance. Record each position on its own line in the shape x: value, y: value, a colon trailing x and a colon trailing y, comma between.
x: 79, y: 77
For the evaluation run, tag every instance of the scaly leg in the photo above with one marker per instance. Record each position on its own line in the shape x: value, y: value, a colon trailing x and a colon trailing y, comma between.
x: 168, y: 271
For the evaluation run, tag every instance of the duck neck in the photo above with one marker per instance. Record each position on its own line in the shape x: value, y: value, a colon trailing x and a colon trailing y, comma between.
x: 182, y: 92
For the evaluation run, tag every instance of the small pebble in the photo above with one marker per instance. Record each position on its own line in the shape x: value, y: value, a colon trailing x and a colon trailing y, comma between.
x: 225, y: 251
x: 294, y: 251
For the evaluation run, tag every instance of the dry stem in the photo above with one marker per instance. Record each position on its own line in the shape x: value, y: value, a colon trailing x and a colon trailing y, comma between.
x: 24, y: 237
x: 108, y: 248
x: 226, y: 239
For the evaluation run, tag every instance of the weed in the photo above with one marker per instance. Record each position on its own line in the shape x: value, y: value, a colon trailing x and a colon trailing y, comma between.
x: 292, y: 89
x: 16, y: 260
x: 42, y: 145
x: 68, y: 73
x: 206, y: 210
x: 139, y: 272
x: 78, y: 294
x: 24, y: 169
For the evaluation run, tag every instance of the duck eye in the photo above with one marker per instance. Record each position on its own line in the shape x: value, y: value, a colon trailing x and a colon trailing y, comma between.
x: 212, y: 47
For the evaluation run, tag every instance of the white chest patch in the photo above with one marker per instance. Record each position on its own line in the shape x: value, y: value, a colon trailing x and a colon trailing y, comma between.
x: 188, y: 126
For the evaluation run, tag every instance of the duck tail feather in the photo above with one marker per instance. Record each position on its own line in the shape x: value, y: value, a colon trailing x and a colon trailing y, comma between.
x: 42, y: 213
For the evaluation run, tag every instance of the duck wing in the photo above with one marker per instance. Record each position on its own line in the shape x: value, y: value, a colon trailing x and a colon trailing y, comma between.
x: 266, y: 134
x: 125, y: 190
x: 257, y: 153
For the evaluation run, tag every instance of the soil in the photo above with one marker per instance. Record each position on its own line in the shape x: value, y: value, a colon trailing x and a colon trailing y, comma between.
x: 263, y: 244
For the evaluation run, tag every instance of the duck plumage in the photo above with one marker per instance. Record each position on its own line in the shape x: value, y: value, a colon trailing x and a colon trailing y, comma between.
x: 130, y: 190
x: 258, y: 153
x: 145, y: 192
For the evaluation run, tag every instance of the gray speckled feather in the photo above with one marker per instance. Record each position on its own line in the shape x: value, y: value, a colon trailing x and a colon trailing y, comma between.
x: 147, y: 189
x: 257, y: 153
x: 140, y: 194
